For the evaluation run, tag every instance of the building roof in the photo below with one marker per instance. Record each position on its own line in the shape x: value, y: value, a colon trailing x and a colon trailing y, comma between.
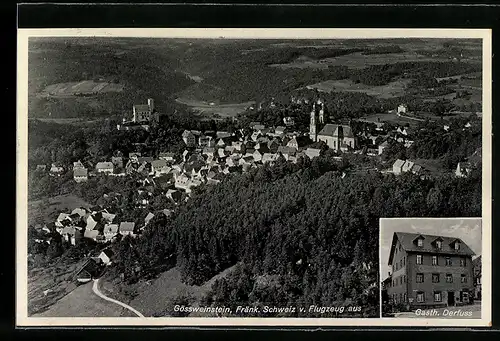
x: 92, y: 234
x: 187, y: 133
x: 80, y: 172
x: 312, y: 152
x: 158, y: 163
x: 126, y: 226
x: 141, y: 107
x: 111, y: 228
x: 104, y: 165
x: 408, y: 243
x: 336, y: 130
x: 398, y: 163
x: 166, y: 154
x: 149, y: 217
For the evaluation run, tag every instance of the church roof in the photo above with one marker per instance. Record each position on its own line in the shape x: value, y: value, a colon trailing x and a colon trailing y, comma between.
x: 336, y: 130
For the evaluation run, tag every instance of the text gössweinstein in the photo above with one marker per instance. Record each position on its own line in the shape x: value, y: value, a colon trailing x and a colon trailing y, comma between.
x: 313, y: 309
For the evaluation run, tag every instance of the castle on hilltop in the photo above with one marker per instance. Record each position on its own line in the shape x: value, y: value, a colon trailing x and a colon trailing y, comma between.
x: 143, y: 115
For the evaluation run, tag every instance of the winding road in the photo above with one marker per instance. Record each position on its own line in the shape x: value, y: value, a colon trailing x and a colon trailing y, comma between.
x: 95, y: 289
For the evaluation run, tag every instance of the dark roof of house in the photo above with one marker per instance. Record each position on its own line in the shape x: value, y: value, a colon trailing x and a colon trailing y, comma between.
x: 408, y: 243
x: 336, y: 130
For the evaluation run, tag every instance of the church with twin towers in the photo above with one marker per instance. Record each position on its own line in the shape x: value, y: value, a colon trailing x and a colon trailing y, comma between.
x: 338, y: 137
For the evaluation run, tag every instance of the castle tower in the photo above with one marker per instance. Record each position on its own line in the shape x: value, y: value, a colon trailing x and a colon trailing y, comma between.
x: 313, y: 125
x: 151, y: 104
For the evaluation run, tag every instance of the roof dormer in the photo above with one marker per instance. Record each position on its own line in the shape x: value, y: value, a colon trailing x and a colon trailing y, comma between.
x: 456, y: 244
x: 438, y: 243
x: 419, y: 241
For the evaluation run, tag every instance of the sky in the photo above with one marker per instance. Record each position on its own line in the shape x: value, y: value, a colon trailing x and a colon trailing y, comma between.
x: 467, y: 229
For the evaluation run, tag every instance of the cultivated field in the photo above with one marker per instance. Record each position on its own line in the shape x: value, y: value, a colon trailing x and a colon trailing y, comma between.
x: 211, y: 108
x: 393, y: 89
x: 37, y: 211
x: 85, y: 87
x: 358, y: 60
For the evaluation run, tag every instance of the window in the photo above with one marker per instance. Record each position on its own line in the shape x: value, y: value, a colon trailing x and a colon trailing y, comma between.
x: 435, y: 278
x: 463, y: 278
x: 420, y: 278
x: 462, y: 261
x: 449, y: 278
x: 419, y: 259
x: 438, y: 244
x: 420, y: 242
x: 434, y: 260
x: 404, y: 261
x: 401, y: 263
x: 437, y: 297
x: 457, y: 245
x: 405, y: 297
x: 401, y: 280
x: 448, y: 261
x: 420, y: 297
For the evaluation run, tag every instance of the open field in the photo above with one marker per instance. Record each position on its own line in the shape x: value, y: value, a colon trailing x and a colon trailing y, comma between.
x: 393, y: 89
x: 83, y: 302
x: 162, y: 292
x: 359, y: 60
x: 390, y: 118
x: 62, y: 203
x: 85, y: 87
x: 56, y: 281
x: 223, y: 110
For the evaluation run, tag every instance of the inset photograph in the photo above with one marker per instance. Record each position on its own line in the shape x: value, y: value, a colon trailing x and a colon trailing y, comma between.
x: 430, y: 267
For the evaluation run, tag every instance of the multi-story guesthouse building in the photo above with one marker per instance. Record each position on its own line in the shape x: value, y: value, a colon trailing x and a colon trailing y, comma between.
x: 430, y: 271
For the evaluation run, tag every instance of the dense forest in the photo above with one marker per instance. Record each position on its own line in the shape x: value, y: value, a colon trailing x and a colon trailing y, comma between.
x: 312, y: 232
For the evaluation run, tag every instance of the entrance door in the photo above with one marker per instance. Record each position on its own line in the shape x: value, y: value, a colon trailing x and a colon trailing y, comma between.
x: 451, y: 298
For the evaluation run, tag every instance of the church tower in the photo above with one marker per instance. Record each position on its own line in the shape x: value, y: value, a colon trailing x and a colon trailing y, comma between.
x: 322, y: 114
x: 313, y: 125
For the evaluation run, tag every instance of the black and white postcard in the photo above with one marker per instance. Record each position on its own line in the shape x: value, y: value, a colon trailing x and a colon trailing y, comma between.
x: 206, y: 177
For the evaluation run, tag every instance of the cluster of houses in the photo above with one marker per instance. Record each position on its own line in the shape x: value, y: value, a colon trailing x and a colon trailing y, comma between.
x: 92, y: 223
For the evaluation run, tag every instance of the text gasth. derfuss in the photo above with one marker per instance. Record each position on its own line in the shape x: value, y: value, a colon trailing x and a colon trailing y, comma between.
x: 444, y: 313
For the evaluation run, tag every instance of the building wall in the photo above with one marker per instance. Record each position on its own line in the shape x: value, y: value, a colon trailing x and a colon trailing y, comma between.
x: 334, y: 142
x: 428, y: 287
x: 399, y: 275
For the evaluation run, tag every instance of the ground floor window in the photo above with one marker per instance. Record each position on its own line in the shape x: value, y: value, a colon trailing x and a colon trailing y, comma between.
x: 420, y: 297
x: 437, y: 296
x: 405, y: 297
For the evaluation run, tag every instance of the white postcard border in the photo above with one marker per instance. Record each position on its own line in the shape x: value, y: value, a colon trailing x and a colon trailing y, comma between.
x: 22, y: 319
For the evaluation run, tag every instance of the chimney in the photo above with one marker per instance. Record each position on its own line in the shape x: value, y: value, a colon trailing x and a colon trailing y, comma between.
x: 151, y: 104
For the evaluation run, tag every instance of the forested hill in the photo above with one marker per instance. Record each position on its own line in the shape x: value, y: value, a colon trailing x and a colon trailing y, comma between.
x: 311, y: 232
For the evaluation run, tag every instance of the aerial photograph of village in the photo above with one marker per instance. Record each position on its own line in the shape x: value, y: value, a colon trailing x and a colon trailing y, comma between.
x: 173, y: 177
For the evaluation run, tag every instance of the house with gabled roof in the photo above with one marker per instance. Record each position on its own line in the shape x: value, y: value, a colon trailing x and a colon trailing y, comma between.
x: 430, y: 271
x: 167, y: 156
x: 189, y: 138
x: 105, y: 167
x: 397, y: 167
x: 127, y: 228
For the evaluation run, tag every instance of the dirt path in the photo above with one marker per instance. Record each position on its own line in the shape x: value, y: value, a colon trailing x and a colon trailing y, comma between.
x: 95, y: 289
